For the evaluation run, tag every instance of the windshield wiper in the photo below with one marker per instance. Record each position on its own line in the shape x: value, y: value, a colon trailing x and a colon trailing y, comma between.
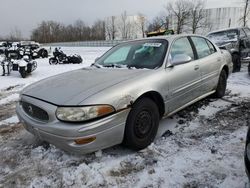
x: 113, y: 65
x: 95, y: 65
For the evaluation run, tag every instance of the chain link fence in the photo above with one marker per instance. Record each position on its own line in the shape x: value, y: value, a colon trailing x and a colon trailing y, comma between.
x: 100, y: 43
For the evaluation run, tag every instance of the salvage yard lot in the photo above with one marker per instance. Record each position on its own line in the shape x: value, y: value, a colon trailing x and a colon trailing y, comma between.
x: 201, y: 146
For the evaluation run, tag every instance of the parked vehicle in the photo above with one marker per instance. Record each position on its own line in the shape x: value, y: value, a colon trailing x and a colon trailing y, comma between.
x: 236, y: 41
x: 25, y: 66
x: 247, y: 154
x: 124, y: 94
x: 61, y: 58
x: 160, y: 32
x: 32, y: 49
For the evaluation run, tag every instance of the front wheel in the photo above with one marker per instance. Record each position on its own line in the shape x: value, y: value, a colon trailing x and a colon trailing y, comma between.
x: 23, y: 72
x: 142, y: 124
x: 222, y: 85
x: 53, y: 61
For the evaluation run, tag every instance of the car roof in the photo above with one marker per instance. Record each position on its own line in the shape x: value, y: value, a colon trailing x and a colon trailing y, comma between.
x: 168, y: 37
x: 225, y: 29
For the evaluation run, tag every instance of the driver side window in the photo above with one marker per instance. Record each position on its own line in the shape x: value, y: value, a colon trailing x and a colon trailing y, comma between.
x: 181, y: 46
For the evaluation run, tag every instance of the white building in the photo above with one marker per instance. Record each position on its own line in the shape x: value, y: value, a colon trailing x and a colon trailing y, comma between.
x: 216, y: 19
x: 124, y: 27
x: 220, y: 18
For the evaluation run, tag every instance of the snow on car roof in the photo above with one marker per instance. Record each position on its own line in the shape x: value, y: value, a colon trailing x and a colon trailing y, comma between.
x: 225, y: 29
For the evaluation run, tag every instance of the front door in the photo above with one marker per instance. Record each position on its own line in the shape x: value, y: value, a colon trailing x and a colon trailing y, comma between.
x: 185, y: 79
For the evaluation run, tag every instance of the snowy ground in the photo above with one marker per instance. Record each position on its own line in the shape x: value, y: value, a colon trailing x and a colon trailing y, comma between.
x: 201, y: 146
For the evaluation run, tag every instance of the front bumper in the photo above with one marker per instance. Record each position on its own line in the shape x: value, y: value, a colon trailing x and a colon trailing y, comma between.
x: 108, y: 131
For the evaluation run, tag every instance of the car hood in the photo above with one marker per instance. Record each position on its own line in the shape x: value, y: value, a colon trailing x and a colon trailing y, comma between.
x: 73, y: 87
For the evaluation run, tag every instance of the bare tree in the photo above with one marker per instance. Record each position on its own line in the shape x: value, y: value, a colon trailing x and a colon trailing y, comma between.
x: 197, y: 15
x: 157, y: 23
x: 246, y: 12
x: 179, y: 10
x: 98, y: 30
x: 142, y: 23
x: 110, y: 27
x: 124, y: 25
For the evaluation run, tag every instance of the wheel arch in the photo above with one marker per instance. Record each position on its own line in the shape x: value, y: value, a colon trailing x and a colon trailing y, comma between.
x: 226, y: 69
x: 157, y: 98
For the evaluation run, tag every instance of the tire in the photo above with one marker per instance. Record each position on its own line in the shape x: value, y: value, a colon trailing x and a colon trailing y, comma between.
x: 22, y: 72
x: 53, y: 61
x: 43, y: 53
x: 236, y: 63
x: 141, y: 125
x: 222, y: 85
x: 249, y: 69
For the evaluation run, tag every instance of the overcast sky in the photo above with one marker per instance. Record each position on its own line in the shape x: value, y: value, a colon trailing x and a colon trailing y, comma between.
x: 26, y: 14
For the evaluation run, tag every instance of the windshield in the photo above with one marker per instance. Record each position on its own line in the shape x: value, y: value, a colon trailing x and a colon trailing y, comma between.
x: 138, y: 54
x: 224, y: 36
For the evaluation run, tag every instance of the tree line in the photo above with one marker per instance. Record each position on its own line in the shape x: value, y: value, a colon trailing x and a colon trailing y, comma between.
x: 52, y: 31
x: 181, y: 15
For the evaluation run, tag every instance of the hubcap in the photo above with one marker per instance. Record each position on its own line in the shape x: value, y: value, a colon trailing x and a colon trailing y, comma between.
x: 143, y: 124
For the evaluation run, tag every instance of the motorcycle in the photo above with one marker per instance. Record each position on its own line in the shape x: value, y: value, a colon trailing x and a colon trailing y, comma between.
x: 24, y: 66
x: 61, y: 58
x: 32, y: 49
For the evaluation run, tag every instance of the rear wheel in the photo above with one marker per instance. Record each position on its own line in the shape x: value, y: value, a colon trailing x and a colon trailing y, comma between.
x: 222, y: 85
x: 236, y: 63
x: 142, y: 124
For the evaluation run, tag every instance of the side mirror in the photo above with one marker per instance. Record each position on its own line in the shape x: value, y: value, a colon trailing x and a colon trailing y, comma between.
x: 180, y: 59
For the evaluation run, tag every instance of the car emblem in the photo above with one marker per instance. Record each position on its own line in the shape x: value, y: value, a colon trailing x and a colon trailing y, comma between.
x: 30, y: 109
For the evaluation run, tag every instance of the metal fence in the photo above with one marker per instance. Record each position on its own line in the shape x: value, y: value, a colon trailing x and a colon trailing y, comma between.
x: 101, y: 43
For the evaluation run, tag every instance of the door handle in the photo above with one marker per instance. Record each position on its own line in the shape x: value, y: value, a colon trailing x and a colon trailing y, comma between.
x: 196, y: 67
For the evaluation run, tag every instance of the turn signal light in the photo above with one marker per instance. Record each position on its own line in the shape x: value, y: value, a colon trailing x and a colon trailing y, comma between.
x: 81, y: 141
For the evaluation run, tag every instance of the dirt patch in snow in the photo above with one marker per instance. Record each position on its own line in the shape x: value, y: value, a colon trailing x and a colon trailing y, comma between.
x: 7, y: 110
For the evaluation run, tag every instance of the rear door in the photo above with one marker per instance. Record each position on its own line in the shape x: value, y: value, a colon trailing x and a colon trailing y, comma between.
x: 185, y: 79
x: 209, y: 62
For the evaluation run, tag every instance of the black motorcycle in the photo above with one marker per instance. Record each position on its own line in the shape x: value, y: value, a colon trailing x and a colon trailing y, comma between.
x: 61, y: 58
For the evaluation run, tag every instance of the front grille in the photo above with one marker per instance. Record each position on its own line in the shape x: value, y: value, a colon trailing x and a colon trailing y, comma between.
x: 35, y: 112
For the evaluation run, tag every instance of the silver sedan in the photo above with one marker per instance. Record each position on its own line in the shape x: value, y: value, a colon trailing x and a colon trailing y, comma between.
x: 124, y: 94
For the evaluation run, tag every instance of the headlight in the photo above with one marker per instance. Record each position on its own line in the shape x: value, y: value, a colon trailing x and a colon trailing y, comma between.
x: 78, y: 114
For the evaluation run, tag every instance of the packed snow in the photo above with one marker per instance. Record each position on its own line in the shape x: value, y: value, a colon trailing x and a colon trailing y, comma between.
x: 201, y: 146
